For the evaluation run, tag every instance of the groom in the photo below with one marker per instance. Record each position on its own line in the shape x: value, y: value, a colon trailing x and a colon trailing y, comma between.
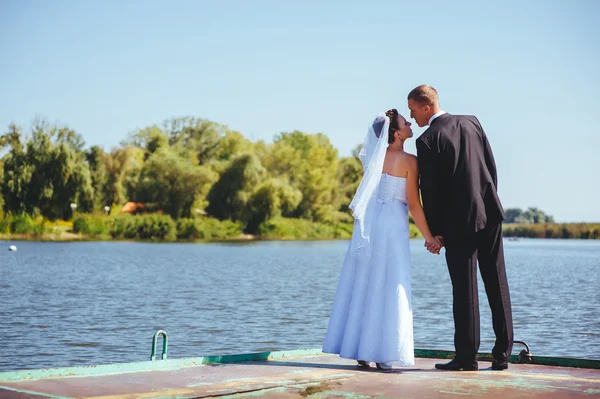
x: 461, y: 204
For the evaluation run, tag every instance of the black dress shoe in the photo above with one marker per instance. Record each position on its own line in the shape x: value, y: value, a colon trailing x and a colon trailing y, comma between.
x: 455, y: 365
x: 499, y: 364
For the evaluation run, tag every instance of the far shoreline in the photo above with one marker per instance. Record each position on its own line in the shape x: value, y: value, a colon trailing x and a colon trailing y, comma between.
x: 72, y: 237
x: 163, y: 229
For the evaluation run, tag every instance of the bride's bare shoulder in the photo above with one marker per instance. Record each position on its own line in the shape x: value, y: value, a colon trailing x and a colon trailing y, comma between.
x: 409, y: 158
x: 410, y: 161
x: 402, y: 163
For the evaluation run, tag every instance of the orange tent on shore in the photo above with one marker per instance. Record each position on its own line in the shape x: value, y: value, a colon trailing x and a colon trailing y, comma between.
x: 132, y: 207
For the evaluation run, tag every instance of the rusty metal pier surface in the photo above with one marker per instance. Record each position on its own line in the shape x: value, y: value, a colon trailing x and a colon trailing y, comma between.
x: 301, y: 374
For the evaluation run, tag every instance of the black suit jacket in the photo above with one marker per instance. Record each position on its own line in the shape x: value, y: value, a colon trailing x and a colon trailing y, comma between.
x: 457, y: 177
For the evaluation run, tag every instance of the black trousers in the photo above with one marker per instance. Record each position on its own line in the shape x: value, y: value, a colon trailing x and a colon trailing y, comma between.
x: 462, y: 255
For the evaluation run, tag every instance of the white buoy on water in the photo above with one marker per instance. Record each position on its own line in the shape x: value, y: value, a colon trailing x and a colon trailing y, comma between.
x: 12, y: 248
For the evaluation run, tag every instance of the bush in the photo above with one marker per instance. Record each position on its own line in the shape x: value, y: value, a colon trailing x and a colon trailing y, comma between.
x: 552, y: 230
x: 5, y: 225
x: 144, y: 227
x: 91, y: 225
x: 23, y: 224
x: 302, y: 229
x: 207, y: 229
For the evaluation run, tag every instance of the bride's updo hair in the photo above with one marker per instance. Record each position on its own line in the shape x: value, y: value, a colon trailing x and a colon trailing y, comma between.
x: 394, y: 126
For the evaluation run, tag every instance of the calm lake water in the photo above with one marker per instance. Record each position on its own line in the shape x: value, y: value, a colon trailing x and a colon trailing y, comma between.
x: 68, y: 304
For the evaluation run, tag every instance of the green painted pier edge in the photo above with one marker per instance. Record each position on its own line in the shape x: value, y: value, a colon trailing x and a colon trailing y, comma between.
x: 177, y: 364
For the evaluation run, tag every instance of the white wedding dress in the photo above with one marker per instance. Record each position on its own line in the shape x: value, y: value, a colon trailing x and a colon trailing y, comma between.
x: 371, y: 319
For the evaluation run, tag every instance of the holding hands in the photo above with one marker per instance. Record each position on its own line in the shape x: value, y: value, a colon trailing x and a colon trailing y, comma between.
x: 434, y: 244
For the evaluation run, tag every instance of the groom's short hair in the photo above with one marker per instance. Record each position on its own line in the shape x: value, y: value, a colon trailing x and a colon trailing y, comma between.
x: 424, y: 94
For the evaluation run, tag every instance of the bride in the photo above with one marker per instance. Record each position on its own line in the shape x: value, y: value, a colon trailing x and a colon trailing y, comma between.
x: 371, y: 319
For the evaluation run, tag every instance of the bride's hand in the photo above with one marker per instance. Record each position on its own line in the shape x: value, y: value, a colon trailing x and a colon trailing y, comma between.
x: 434, y: 245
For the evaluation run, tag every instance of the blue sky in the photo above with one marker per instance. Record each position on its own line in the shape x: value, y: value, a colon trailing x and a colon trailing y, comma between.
x: 527, y: 69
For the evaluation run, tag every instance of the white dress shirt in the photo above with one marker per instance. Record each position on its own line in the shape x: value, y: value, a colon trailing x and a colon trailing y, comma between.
x: 435, y: 116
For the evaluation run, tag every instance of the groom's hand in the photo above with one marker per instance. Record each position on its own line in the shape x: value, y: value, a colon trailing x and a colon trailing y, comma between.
x: 440, y: 240
x: 433, y: 246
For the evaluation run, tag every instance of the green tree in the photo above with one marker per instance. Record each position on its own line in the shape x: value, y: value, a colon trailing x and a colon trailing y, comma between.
x: 46, y: 173
x: 270, y: 199
x: 530, y: 216
x: 350, y: 171
x: 16, y: 172
x: 194, y: 134
x: 512, y: 214
x: 228, y: 196
x: 171, y: 182
x: 310, y: 163
x: 70, y: 181
x: 535, y: 215
x: 149, y: 139
x: 231, y: 145
x: 96, y: 159
x: 123, y: 168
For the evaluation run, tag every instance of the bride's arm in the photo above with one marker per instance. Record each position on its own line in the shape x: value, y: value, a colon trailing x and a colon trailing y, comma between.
x: 414, y: 201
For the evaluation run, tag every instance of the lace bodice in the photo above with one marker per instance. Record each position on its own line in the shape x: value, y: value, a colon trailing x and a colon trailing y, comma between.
x: 391, y: 188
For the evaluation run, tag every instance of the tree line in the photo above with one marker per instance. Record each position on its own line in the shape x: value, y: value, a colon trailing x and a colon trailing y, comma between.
x: 531, y: 215
x: 184, y: 167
